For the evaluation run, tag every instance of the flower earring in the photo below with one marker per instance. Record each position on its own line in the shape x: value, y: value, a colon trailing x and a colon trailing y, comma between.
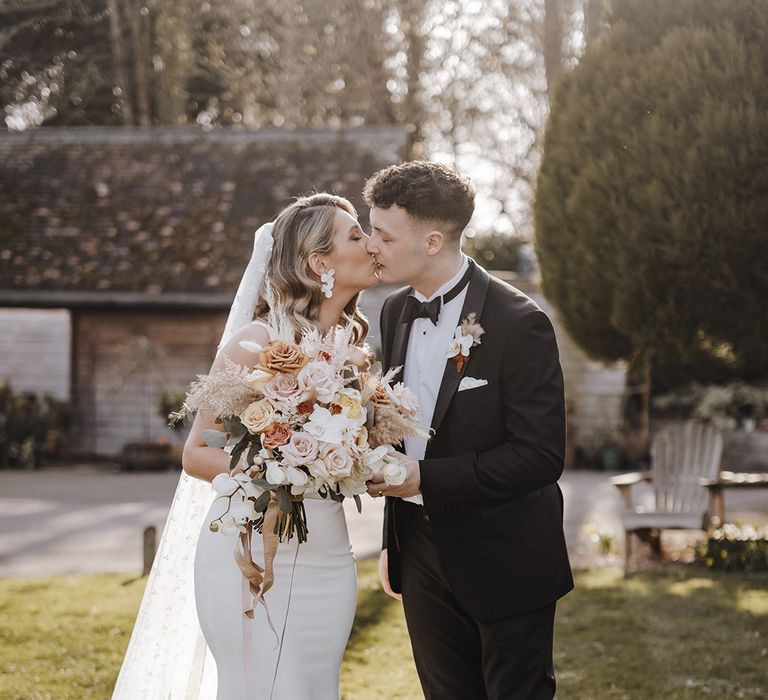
x: 328, y: 283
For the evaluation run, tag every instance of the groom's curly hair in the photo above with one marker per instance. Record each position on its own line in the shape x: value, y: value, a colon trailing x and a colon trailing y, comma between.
x: 427, y: 191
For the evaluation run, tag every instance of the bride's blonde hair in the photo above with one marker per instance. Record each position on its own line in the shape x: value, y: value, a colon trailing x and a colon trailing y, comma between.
x: 292, y: 292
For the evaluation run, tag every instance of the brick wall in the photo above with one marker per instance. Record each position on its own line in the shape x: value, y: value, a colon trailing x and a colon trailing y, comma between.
x: 125, y: 360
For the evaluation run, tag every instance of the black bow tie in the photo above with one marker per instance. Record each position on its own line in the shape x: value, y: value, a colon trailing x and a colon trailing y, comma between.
x: 422, y: 309
x: 431, y: 309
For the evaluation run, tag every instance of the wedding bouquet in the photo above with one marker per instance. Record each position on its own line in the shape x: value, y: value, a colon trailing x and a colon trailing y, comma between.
x: 309, y: 417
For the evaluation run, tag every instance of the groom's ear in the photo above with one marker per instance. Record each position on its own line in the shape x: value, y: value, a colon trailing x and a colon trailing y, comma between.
x: 435, y: 240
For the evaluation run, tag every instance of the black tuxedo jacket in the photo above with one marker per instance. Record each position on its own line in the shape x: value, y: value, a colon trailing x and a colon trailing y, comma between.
x: 489, y: 476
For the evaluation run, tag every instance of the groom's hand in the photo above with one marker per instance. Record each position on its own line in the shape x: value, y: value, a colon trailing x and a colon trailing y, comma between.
x: 411, y: 486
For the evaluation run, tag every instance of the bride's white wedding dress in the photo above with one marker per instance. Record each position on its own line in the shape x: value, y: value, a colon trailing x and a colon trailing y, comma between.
x: 313, y: 599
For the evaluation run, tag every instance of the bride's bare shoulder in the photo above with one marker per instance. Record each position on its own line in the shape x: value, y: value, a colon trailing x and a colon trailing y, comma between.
x: 257, y: 331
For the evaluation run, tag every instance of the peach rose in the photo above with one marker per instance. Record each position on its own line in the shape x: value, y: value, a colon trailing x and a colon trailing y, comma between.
x: 279, y: 435
x: 281, y: 356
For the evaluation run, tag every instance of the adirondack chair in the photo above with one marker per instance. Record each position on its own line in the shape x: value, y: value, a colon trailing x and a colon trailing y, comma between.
x: 682, y: 455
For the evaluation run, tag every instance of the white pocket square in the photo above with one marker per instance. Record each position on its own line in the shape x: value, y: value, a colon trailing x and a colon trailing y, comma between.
x: 471, y: 383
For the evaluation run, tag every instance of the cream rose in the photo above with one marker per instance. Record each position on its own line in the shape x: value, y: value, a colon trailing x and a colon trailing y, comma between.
x: 259, y: 417
x: 349, y: 400
x: 257, y: 379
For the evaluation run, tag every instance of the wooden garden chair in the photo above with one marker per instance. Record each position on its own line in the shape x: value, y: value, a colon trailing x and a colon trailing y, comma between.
x: 682, y: 456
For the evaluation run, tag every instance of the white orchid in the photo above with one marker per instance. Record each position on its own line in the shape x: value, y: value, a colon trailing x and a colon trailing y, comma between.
x: 276, y: 475
x: 297, y: 477
x: 224, y: 484
x: 242, y: 511
x: 230, y: 527
x: 461, y: 344
x: 251, y: 490
x: 325, y: 426
x: 376, y: 459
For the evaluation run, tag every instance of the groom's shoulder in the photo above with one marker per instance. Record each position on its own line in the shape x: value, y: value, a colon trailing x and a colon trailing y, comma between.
x: 510, y: 299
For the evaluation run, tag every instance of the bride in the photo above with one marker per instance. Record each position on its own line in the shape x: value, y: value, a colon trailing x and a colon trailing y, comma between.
x: 314, y: 264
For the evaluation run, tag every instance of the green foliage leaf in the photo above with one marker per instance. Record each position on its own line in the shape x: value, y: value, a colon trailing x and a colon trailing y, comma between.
x: 261, y: 503
x: 238, y: 450
x: 284, y: 501
x: 215, y: 438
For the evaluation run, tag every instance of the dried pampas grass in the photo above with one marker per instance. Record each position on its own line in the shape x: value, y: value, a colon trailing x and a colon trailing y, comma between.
x: 224, y: 393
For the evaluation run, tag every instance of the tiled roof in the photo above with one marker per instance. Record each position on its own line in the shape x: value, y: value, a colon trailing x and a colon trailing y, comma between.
x: 159, y: 214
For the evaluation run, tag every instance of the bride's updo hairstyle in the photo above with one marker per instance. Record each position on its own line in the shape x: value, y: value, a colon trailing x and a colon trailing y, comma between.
x: 292, y: 291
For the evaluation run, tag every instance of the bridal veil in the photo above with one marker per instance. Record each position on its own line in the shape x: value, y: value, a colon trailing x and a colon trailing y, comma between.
x: 167, y: 657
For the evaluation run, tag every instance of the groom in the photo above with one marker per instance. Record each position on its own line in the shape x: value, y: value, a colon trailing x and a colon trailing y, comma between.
x: 473, y: 539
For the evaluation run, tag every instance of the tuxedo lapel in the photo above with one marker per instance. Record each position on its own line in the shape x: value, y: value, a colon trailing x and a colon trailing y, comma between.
x: 473, y: 303
x: 400, y: 343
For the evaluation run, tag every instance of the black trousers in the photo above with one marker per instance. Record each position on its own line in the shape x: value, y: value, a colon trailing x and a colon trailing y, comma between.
x: 457, y: 657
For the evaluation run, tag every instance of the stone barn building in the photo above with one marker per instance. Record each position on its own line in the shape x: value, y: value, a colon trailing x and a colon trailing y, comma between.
x: 121, y: 249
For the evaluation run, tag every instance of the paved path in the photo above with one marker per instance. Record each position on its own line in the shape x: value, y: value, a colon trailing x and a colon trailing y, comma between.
x: 81, y: 519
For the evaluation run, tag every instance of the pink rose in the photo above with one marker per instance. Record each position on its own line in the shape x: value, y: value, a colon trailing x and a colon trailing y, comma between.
x: 320, y: 379
x: 301, y: 450
x: 283, y: 389
x: 337, y: 460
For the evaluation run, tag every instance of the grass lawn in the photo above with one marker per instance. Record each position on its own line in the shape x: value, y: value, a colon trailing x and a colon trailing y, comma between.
x: 664, y: 633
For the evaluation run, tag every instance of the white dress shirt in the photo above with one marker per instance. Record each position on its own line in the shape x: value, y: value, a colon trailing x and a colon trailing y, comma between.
x: 425, y: 359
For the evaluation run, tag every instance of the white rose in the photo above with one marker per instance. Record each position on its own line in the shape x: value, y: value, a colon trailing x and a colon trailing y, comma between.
x: 318, y: 470
x: 319, y: 378
x: 300, y: 450
x: 257, y: 379
x: 394, y: 473
x: 258, y: 417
